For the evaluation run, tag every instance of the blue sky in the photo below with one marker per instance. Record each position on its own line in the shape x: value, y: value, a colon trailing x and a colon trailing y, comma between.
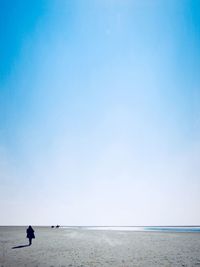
x: 99, y: 112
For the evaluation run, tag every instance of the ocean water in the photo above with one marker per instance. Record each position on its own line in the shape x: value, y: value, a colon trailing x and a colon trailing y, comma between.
x: 183, y: 229
x: 179, y: 229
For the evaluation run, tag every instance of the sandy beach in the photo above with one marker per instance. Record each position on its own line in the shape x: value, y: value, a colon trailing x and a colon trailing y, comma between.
x: 70, y: 247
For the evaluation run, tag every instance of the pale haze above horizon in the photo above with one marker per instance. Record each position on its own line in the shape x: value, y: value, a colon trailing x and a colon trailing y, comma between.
x: 100, y: 112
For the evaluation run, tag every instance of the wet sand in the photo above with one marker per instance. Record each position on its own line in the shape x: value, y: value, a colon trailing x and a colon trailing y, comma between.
x: 69, y: 247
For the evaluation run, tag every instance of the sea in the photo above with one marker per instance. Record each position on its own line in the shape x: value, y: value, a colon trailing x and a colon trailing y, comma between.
x: 183, y: 229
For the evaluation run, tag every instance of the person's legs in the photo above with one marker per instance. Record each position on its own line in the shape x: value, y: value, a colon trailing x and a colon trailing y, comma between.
x: 30, y: 241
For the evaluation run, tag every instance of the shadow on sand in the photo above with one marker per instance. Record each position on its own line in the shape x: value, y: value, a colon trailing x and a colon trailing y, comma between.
x: 23, y: 246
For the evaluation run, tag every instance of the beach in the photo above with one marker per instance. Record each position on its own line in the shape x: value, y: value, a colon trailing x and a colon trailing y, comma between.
x: 82, y: 247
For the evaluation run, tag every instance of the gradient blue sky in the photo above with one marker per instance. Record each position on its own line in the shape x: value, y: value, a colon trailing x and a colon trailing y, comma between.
x: 99, y: 112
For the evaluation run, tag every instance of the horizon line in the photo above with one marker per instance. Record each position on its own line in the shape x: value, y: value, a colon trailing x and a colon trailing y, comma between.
x: 130, y: 226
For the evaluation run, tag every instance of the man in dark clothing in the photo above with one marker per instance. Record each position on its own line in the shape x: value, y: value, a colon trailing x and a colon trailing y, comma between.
x: 30, y: 234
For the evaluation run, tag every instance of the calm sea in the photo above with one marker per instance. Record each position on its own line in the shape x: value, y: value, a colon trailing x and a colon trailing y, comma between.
x: 183, y: 229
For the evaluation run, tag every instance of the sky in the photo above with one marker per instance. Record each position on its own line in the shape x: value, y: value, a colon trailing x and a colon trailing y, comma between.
x: 99, y: 112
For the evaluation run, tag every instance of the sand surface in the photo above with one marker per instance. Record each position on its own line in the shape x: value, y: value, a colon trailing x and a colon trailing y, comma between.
x: 68, y: 247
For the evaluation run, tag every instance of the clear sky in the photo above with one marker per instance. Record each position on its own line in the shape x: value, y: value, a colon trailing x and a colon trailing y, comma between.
x: 99, y: 112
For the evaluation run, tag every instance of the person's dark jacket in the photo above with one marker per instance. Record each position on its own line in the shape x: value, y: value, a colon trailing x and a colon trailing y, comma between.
x: 30, y: 232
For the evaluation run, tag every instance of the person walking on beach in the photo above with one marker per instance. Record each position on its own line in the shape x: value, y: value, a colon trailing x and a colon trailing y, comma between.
x: 30, y: 234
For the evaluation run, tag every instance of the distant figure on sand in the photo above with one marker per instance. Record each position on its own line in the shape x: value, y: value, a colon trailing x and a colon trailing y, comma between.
x: 30, y: 234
